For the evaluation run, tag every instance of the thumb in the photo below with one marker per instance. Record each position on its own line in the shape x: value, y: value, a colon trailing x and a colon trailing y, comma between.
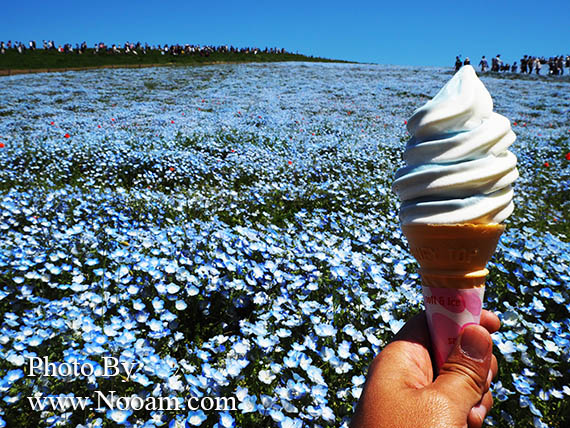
x: 463, y: 377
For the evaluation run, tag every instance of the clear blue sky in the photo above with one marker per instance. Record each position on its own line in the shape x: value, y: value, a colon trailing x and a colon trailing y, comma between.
x: 384, y: 32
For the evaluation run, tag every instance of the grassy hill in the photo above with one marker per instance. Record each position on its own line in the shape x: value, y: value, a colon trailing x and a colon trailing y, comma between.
x: 49, y: 59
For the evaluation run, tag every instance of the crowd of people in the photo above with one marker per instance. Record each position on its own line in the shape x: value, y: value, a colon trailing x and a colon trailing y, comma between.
x: 134, y: 48
x: 528, y: 64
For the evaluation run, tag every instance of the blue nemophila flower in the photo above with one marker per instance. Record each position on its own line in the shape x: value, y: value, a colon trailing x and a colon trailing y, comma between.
x: 13, y: 375
x: 396, y: 325
x: 119, y: 416
x: 288, y: 422
x: 276, y: 415
x: 11, y: 399
x: 538, y: 423
x: 155, y: 325
x: 226, y: 420
x: 195, y: 418
x: 266, y: 376
x: 315, y: 375
x: 344, y: 349
x: 550, y: 346
x: 358, y: 380
x: 325, y: 330
x: 522, y: 384
x: 248, y: 404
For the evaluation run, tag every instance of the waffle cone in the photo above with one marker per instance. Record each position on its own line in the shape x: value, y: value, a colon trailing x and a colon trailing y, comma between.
x: 453, y: 255
x: 452, y: 261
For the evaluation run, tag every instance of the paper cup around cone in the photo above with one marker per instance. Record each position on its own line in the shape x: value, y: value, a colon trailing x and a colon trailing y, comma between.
x: 452, y: 261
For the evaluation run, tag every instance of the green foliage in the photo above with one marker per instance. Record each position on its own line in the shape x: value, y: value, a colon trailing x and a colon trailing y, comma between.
x: 51, y: 60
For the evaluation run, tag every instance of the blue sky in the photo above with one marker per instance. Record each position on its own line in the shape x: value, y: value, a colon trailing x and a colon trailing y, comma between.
x: 393, y: 32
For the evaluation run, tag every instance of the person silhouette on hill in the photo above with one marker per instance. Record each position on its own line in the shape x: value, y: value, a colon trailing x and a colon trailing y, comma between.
x: 483, y: 64
x: 458, y: 63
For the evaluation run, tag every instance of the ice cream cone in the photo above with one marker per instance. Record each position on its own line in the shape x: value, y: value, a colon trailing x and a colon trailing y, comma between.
x: 452, y: 259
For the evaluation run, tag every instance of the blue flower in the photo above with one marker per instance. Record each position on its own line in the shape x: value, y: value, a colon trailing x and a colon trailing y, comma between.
x: 288, y: 422
x: 396, y: 325
x: 119, y: 416
x: 248, y: 404
x: 195, y: 418
x: 325, y: 330
x: 522, y: 384
x: 266, y: 376
x: 13, y: 375
x: 226, y: 420
x: 315, y: 375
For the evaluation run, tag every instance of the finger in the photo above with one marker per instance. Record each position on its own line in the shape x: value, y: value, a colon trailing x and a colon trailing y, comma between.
x: 404, y: 364
x: 408, y: 352
x: 465, y: 372
x: 478, y: 413
x: 490, y: 321
x: 415, y: 330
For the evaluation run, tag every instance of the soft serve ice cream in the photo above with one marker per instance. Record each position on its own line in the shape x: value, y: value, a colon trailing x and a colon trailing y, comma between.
x: 458, y: 168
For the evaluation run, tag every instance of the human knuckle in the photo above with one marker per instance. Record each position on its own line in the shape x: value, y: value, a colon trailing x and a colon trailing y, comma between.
x: 471, y: 376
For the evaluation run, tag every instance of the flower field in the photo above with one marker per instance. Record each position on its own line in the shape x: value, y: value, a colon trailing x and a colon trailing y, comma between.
x: 232, y: 230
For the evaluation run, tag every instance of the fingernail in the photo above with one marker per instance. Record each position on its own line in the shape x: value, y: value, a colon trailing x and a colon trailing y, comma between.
x: 480, y: 411
x: 489, y: 379
x: 473, y: 343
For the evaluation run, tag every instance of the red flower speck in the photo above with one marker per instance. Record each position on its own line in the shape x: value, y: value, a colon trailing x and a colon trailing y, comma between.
x: 290, y: 162
x: 568, y: 156
x: 67, y: 136
x: 171, y: 121
x: 52, y: 123
x: 514, y: 124
x: 2, y: 146
x: 405, y: 122
x: 171, y: 169
x: 546, y: 164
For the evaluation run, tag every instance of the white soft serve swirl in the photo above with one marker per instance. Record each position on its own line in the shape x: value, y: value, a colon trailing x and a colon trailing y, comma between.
x: 458, y: 168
